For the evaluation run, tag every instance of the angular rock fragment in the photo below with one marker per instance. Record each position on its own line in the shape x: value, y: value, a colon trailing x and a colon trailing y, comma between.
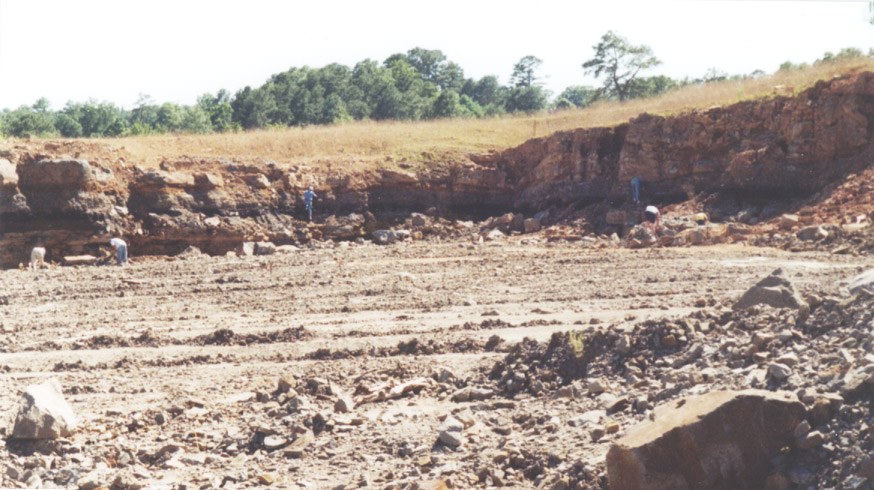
x: 775, y: 291
x: 722, y: 439
x: 44, y: 413
x: 863, y: 282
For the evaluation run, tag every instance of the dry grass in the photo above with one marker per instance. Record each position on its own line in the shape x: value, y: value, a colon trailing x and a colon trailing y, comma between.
x: 363, y: 145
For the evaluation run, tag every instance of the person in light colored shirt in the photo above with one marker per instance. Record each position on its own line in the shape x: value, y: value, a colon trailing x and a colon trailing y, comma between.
x: 37, y: 258
x: 652, y: 215
x: 120, y: 248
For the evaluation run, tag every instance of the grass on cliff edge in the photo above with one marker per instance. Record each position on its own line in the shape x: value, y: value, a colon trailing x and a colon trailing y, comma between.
x: 364, y: 145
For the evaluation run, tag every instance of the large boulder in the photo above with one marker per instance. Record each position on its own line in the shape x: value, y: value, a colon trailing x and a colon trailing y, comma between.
x: 812, y: 233
x: 720, y: 440
x: 385, y: 237
x: 265, y: 248
x: 774, y: 290
x: 344, y: 227
x: 44, y: 413
x: 531, y: 225
x: 55, y: 174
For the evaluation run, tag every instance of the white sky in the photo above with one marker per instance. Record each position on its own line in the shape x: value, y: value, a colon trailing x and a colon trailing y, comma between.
x: 176, y: 50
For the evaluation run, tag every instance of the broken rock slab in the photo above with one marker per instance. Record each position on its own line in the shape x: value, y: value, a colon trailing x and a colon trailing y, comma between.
x: 44, y: 413
x: 720, y: 440
x: 863, y: 282
x: 774, y: 290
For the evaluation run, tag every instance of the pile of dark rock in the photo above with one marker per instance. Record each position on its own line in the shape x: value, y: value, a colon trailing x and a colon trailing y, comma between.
x: 818, y: 350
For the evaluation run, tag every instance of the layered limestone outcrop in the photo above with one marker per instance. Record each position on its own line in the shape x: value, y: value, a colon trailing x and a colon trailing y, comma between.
x: 782, y: 146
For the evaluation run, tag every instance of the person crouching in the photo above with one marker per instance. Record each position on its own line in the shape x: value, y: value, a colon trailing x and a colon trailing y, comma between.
x: 37, y: 258
x: 652, y: 215
x: 120, y: 248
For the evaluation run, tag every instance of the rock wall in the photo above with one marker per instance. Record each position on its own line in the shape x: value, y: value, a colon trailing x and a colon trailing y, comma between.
x: 776, y: 147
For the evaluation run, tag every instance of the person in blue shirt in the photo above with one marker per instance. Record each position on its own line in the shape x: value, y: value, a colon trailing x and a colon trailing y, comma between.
x: 308, y: 202
x: 635, y: 190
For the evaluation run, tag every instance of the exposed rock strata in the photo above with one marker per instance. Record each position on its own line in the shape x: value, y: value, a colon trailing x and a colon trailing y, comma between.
x: 781, y: 146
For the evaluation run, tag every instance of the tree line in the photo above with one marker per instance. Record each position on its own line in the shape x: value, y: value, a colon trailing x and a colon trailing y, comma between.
x: 416, y: 85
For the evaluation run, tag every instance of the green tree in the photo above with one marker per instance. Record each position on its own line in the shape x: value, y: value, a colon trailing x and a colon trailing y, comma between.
x: 170, y: 117
x: 619, y: 62
x: 715, y: 75
x: 144, y: 116
x: 650, y: 86
x: 26, y: 121
x: 523, y: 72
x: 450, y: 77
x: 428, y: 62
x: 487, y: 93
x: 195, y: 120
x: 843, y: 54
x: 447, y: 104
x: 219, y: 110
x: 335, y: 110
x: 469, y: 107
x: 526, y: 99
x: 67, y: 126
x: 253, y: 108
x: 578, y: 95
x: 98, y: 118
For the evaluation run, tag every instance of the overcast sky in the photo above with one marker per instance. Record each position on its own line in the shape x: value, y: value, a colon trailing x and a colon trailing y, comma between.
x: 176, y: 50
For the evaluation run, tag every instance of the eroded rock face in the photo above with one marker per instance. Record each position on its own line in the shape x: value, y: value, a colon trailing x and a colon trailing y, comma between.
x: 782, y: 146
x: 721, y: 440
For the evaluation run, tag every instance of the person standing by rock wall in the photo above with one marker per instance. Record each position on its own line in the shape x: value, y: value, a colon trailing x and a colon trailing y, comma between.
x: 635, y: 190
x: 120, y: 248
x: 308, y: 202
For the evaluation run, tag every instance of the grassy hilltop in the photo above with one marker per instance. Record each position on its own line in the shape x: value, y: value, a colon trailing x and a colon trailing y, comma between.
x: 361, y: 145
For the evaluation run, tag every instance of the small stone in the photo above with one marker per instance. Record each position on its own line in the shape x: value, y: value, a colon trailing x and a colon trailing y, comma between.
x: 821, y: 411
x: 611, y: 403
x: 430, y: 485
x: 445, y: 376
x: 344, y: 404
x: 612, y: 427
x: 866, y: 468
x: 451, y: 438
x: 274, y: 442
x: 623, y: 345
x: 801, y: 430
x: 790, y: 359
x: 597, y: 386
x: 297, y: 447
x: 266, y: 479
x: 597, y: 433
x: 286, y: 383
x: 467, y: 418
x: 811, y: 440
x: 779, y: 371
x: 450, y: 434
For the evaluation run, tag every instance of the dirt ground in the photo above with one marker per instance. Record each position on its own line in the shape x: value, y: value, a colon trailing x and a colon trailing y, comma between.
x: 183, y: 371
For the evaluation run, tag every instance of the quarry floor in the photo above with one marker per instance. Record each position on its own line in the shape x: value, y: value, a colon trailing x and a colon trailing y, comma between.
x: 167, y: 397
